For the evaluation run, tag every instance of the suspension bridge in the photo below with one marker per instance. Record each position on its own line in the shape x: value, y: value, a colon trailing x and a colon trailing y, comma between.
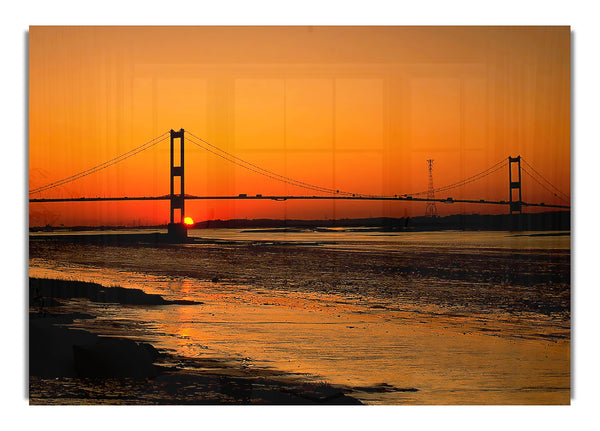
x: 177, y: 196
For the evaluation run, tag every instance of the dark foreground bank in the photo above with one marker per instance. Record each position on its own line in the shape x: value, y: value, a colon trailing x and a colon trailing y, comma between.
x: 74, y: 366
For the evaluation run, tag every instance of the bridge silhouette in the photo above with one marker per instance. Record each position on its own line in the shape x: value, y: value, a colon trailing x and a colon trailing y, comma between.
x: 179, y: 197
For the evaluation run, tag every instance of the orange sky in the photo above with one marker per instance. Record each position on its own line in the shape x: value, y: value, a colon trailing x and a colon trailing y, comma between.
x: 358, y: 109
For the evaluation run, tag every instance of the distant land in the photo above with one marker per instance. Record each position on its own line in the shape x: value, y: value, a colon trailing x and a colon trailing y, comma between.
x: 553, y: 221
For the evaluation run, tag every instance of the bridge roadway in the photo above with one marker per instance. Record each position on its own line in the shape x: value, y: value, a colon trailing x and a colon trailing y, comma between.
x: 285, y: 198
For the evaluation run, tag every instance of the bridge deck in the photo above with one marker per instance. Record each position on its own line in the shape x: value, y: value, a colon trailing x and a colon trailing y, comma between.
x: 285, y: 198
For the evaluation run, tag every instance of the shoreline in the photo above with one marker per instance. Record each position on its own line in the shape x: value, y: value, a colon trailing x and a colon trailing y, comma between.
x: 74, y: 366
x: 547, y: 220
x: 331, y: 312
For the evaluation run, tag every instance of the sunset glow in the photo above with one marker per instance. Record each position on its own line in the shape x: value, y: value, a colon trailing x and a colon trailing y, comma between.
x: 357, y: 109
x: 188, y: 221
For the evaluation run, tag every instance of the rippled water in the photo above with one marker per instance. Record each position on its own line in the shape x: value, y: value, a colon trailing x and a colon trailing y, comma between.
x: 367, y: 238
x: 476, y: 318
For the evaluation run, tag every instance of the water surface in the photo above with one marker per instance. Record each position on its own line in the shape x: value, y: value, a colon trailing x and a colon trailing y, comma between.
x: 464, y: 317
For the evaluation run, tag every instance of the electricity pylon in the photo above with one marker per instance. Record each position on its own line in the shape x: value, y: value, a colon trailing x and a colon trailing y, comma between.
x: 430, y: 209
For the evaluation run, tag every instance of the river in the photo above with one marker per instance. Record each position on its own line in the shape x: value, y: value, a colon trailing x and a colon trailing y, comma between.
x: 399, y: 318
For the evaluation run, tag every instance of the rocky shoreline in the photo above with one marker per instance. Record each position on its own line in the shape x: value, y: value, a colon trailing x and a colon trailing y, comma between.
x: 74, y: 366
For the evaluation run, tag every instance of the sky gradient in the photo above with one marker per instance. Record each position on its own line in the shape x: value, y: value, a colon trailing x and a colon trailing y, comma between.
x: 358, y: 109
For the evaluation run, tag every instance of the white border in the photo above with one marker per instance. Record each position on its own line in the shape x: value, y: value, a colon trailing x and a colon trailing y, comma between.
x: 16, y: 18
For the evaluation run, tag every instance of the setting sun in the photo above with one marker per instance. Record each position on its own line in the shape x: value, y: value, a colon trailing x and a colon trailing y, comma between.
x: 188, y: 221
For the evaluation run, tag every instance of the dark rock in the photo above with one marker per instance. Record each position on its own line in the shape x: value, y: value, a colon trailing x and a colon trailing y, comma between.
x: 112, y: 357
x: 46, y: 290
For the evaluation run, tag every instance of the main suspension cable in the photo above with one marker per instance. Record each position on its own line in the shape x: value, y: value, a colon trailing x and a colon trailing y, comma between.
x: 542, y: 185
x: 257, y: 169
x: 548, y: 182
x: 101, y: 166
x: 495, y: 167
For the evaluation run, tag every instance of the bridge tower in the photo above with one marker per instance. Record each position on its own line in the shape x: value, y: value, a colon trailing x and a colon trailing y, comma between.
x: 430, y: 209
x: 514, y: 184
x: 177, y: 229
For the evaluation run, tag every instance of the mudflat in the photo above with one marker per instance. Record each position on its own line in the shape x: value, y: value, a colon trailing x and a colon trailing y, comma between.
x: 74, y: 366
x: 449, y: 318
